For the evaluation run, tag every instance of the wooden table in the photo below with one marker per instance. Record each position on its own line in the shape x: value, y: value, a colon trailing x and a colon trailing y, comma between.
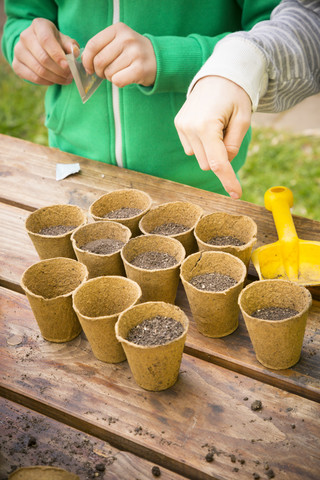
x: 60, y: 406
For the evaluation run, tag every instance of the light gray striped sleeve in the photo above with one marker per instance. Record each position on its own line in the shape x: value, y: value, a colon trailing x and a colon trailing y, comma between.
x: 278, y: 61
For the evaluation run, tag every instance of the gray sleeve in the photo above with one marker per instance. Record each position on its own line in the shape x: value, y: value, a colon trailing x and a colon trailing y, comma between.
x: 290, y: 43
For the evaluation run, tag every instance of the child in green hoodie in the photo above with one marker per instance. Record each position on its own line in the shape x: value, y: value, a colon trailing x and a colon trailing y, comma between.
x: 147, y: 52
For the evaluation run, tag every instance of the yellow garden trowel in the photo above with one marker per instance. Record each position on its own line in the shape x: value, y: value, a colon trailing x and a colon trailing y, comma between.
x: 289, y: 258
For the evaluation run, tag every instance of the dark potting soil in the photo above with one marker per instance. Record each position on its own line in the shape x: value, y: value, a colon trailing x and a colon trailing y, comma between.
x: 170, y: 229
x: 123, y: 212
x: 225, y: 240
x: 274, y: 313
x: 213, y: 282
x: 157, y: 330
x: 103, y: 246
x: 57, y: 230
x: 154, y: 260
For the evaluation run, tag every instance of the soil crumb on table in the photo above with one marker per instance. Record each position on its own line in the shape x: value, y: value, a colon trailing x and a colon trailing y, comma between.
x: 170, y: 229
x: 274, y: 313
x: 213, y: 282
x: 123, y: 212
x: 157, y: 330
x: 256, y: 405
x: 57, y: 230
x: 156, y: 472
x: 154, y: 260
x: 103, y: 246
x: 225, y: 240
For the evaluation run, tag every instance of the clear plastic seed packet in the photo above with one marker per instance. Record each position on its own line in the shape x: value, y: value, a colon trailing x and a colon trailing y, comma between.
x: 86, y: 84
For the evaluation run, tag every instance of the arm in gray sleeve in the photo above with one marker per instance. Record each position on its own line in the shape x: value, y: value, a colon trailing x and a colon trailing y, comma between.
x: 277, y: 62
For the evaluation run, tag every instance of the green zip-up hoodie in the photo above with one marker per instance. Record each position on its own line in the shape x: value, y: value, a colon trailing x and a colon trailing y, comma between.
x: 134, y: 127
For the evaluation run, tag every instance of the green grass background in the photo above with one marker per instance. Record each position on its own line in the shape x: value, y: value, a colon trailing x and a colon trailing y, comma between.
x: 275, y: 157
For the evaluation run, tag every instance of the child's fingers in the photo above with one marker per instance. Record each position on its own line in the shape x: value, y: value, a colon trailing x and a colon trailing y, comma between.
x: 95, y: 45
x: 23, y: 71
x: 41, y: 59
x: 25, y: 62
x: 219, y: 163
x: 47, y: 36
x: 107, y: 60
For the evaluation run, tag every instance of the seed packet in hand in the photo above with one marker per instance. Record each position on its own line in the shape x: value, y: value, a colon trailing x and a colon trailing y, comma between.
x: 86, y: 84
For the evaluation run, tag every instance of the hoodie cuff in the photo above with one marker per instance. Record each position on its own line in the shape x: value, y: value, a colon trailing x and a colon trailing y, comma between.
x: 240, y: 61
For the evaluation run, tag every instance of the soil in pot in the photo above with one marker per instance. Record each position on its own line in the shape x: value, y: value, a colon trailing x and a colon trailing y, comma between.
x: 57, y: 230
x: 103, y: 246
x: 226, y: 240
x: 154, y: 260
x: 213, y: 282
x: 274, y: 313
x: 170, y: 229
x: 157, y: 330
x: 123, y: 212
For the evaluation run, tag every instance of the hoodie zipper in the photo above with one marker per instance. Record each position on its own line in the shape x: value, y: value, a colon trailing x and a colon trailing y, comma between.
x: 115, y: 99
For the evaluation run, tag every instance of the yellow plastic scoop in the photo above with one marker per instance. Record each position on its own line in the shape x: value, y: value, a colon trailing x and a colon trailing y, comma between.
x: 289, y: 258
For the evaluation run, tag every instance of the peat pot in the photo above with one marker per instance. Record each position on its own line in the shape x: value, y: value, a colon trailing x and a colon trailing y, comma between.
x: 277, y: 343
x: 99, y: 264
x: 154, y: 367
x: 183, y: 214
x: 215, y: 312
x: 98, y: 303
x: 109, y: 207
x: 54, y: 244
x: 48, y: 285
x: 219, y: 225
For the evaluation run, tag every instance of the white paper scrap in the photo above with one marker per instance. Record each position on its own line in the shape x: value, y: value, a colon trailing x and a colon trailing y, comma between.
x: 63, y: 170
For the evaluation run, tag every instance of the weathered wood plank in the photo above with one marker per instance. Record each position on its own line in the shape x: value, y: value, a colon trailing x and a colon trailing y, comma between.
x: 234, y: 351
x: 29, y: 438
x: 27, y: 179
x: 16, y: 249
x: 208, y: 410
x: 27, y: 176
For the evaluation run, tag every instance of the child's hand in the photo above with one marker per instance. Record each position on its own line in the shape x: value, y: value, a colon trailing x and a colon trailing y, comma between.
x: 39, y: 55
x: 121, y: 55
x: 211, y: 125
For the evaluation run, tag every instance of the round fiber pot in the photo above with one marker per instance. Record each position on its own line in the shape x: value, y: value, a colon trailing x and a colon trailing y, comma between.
x: 277, y: 343
x: 220, y: 224
x: 156, y: 284
x: 215, y: 313
x: 153, y: 367
x: 100, y: 264
x: 180, y: 213
x: 48, y: 285
x: 98, y: 303
x: 50, y: 246
x: 42, y: 473
x: 122, y: 199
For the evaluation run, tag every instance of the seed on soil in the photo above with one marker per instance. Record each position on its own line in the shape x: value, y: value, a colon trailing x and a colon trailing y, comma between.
x: 56, y: 230
x: 103, y: 246
x: 209, y: 457
x: 256, y: 405
x: 170, y: 229
x: 157, y: 330
x: 156, y: 472
x: 274, y: 313
x: 213, y: 282
x: 224, y: 240
x: 154, y: 260
x: 123, y: 212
